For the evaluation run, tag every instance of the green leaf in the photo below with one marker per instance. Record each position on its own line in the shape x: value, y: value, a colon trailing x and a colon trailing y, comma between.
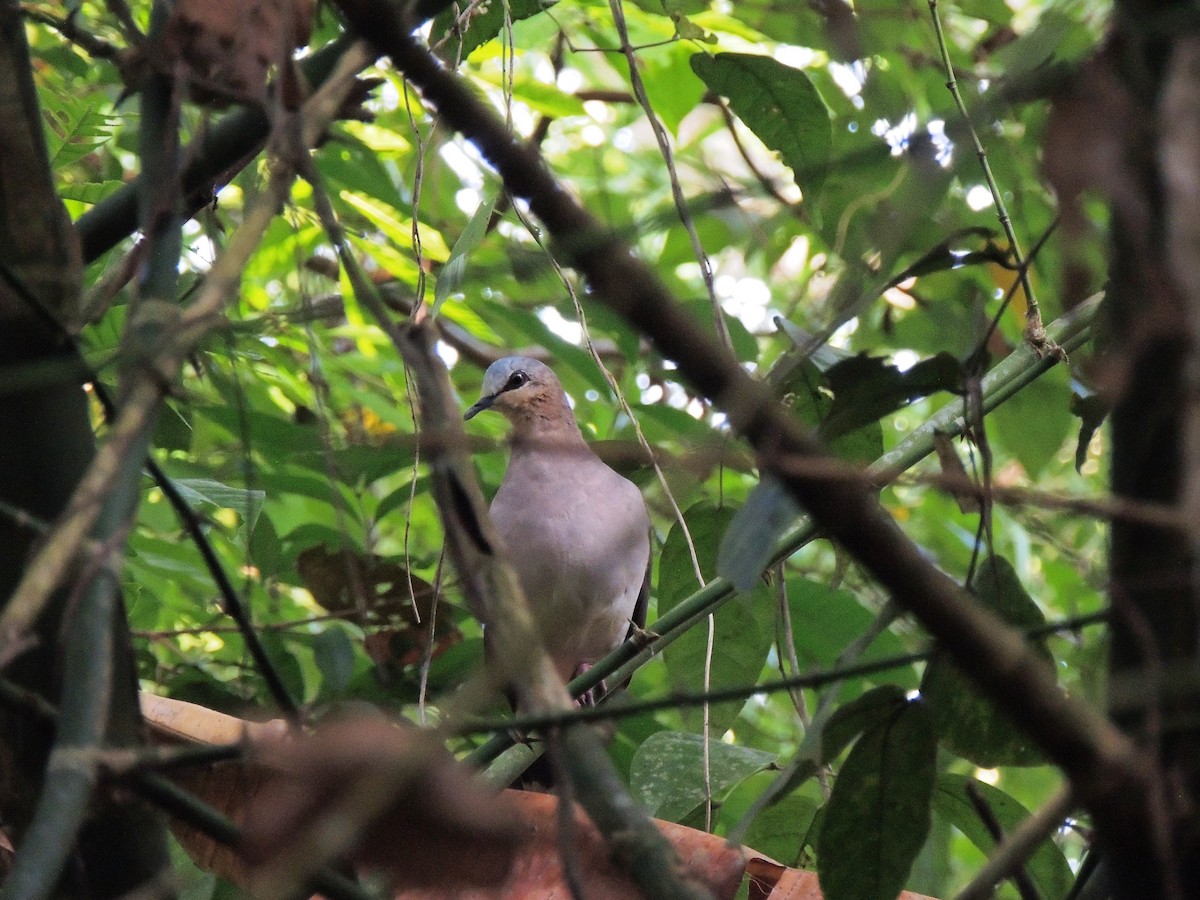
x: 483, y: 27
x: 451, y: 277
x: 269, y: 433
x: 397, y: 227
x: 1035, y: 422
x: 74, y: 129
x: 349, y: 162
x: 740, y: 642
x: 671, y: 85
x: 266, y: 554
x: 91, y: 192
x: 866, y: 388
x: 870, y: 710
x: 285, y: 662
x: 779, y: 104
x: 809, y: 394
x: 970, y: 724
x: 1035, y: 47
x: 333, y: 653
x: 779, y: 830
x: 1046, y: 867
x: 879, y: 812
x: 545, y: 98
x: 826, y: 622
x: 748, y: 541
x: 667, y: 772
x: 204, y: 491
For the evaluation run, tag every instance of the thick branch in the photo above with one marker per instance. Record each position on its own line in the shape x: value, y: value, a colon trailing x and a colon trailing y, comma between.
x: 1105, y: 765
x: 495, y: 592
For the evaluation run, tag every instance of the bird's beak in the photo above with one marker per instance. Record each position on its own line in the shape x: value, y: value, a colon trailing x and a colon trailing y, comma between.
x: 480, y: 405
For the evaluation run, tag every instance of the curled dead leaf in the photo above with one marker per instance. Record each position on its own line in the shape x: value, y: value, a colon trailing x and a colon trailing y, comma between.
x: 385, y: 797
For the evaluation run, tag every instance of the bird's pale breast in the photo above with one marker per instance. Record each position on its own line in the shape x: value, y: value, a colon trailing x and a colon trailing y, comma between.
x: 578, y: 536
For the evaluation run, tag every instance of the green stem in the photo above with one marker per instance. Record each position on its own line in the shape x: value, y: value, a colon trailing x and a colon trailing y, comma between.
x: 1009, y: 376
x: 1034, y: 332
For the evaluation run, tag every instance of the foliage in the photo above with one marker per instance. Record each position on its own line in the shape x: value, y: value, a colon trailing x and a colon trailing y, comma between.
x: 841, y: 196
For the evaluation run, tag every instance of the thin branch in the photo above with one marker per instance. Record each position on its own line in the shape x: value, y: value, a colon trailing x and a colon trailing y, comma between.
x: 1035, y: 333
x: 124, y: 15
x: 68, y: 27
x: 844, y: 670
x: 178, y: 803
x: 785, y: 643
x: 664, y: 147
x: 231, y: 601
x: 1019, y: 845
x: 991, y: 824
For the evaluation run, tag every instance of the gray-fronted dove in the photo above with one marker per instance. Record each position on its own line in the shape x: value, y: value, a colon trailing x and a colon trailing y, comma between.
x: 577, y: 532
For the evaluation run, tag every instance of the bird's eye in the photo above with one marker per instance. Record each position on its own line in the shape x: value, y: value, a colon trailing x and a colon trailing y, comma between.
x: 516, y: 380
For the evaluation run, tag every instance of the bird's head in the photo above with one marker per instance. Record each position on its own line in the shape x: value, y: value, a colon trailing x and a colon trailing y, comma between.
x: 520, y: 387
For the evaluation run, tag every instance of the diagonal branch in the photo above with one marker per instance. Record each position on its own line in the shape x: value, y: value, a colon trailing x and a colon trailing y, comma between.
x: 495, y: 595
x: 1109, y: 773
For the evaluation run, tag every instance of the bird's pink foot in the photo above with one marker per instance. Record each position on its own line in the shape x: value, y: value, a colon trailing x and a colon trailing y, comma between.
x: 592, y: 695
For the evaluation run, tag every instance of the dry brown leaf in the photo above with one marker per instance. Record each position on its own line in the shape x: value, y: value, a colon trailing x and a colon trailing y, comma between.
x: 226, y: 48
x: 771, y: 881
x: 397, y: 798
x: 952, y: 465
x: 436, y: 826
x: 228, y: 788
x: 179, y: 720
x: 444, y: 832
x: 342, y: 581
x: 538, y: 872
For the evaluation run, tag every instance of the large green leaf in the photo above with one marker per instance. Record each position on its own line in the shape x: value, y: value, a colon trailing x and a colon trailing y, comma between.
x: 780, y: 829
x: 668, y: 771
x: 825, y: 621
x: 970, y: 724
x: 1047, y: 867
x: 450, y: 279
x: 869, y: 711
x: 483, y: 26
x: 779, y: 104
x: 1035, y: 423
x: 866, y: 388
x: 206, y: 492
x: 742, y: 634
x: 879, y: 812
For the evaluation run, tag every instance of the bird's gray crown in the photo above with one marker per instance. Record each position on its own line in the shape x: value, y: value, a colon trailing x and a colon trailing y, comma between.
x: 515, y: 373
x: 498, y: 375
